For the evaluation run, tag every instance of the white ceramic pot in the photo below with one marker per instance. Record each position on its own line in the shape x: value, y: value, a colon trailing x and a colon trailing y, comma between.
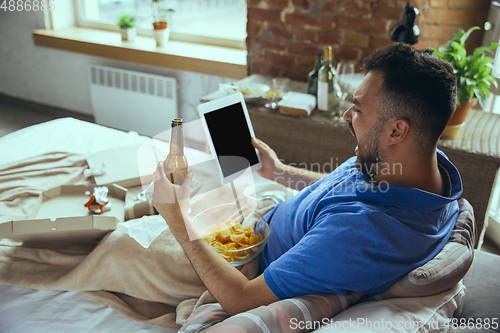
x: 128, y: 34
x: 162, y: 36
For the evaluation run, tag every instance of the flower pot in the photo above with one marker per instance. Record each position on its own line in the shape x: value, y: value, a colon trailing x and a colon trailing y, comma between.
x: 451, y: 131
x: 457, y: 120
x: 461, y: 112
x: 128, y: 34
x: 160, y: 25
x: 161, y: 33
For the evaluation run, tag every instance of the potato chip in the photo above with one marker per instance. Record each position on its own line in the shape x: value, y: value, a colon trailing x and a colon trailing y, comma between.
x: 230, y: 235
x: 237, y: 238
x: 254, y: 239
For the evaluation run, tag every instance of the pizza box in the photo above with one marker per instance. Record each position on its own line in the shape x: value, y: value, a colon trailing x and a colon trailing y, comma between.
x: 134, y: 165
x: 121, y: 165
x: 60, y: 215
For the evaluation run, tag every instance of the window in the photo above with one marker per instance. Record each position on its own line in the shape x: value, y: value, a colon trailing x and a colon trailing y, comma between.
x: 217, y: 22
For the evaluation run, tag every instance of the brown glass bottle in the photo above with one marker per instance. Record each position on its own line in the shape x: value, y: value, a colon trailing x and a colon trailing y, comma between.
x: 176, y: 165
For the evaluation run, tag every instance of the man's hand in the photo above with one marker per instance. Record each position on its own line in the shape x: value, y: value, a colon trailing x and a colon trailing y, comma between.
x: 275, y: 170
x: 172, y: 202
x: 236, y: 291
x: 271, y: 165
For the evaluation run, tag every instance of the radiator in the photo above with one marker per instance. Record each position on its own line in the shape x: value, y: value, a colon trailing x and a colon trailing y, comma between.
x: 132, y: 101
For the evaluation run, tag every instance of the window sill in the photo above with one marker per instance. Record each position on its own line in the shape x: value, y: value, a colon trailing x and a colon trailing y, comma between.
x: 206, y: 59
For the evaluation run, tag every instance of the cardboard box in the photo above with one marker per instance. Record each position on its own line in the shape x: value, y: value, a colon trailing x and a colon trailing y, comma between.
x: 134, y: 207
x: 134, y: 165
x: 121, y: 166
x: 60, y: 215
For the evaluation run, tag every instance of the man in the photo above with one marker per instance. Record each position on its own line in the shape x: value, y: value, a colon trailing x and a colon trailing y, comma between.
x: 373, y: 219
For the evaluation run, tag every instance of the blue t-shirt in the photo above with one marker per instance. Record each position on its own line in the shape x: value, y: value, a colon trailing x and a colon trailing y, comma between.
x: 344, y: 234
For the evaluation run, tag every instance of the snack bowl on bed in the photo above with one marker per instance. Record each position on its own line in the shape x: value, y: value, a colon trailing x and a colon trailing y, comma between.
x: 238, y: 234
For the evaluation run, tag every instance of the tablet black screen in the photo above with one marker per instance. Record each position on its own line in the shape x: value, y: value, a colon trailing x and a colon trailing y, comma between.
x: 231, y: 138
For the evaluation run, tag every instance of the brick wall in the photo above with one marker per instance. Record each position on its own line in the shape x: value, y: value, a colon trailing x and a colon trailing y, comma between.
x: 284, y: 36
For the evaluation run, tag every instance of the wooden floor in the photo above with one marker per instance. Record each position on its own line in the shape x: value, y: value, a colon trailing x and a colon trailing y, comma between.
x: 16, y: 114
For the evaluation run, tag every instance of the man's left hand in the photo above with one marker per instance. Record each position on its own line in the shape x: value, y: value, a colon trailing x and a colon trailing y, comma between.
x: 172, y: 201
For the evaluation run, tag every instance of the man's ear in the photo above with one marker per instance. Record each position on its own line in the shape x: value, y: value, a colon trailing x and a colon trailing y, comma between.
x: 399, y: 129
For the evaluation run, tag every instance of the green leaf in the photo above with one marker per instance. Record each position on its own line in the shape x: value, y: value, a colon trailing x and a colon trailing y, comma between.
x: 457, y: 36
x: 484, y: 73
x: 466, y: 35
x: 483, y: 49
x: 481, y: 95
x: 475, y: 57
x: 469, y: 82
x: 438, y: 54
x: 126, y: 20
x: 460, y: 52
x: 494, y: 81
x: 485, y: 85
x: 482, y: 61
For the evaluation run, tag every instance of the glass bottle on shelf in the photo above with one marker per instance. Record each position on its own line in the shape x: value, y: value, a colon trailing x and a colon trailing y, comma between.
x: 326, y: 84
x: 176, y: 165
x: 312, y: 78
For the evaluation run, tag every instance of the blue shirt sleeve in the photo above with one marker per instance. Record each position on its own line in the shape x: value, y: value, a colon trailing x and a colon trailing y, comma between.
x: 337, y: 255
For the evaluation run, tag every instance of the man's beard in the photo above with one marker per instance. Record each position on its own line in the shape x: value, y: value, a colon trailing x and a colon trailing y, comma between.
x: 369, y: 153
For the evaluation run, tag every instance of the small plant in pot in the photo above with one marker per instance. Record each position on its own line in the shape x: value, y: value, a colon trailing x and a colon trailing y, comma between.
x: 127, y: 23
x: 473, y: 73
x: 160, y: 24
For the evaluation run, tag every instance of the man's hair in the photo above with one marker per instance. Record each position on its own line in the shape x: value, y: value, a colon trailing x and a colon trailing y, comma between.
x: 418, y: 87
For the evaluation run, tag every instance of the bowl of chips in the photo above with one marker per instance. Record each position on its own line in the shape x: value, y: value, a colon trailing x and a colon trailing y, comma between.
x: 237, y: 233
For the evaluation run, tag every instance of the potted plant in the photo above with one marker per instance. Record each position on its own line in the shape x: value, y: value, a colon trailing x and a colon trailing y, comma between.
x: 127, y: 24
x: 160, y: 24
x: 473, y: 73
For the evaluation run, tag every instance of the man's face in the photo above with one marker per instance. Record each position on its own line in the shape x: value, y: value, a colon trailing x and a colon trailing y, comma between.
x: 362, y: 117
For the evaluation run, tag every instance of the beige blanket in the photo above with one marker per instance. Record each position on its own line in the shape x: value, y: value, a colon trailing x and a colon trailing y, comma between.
x: 156, y: 285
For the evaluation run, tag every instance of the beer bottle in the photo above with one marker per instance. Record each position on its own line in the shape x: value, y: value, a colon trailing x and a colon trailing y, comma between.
x: 176, y: 165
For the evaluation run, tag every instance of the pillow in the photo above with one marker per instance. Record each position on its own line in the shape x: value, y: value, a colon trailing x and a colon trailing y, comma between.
x: 398, y: 315
x: 447, y: 268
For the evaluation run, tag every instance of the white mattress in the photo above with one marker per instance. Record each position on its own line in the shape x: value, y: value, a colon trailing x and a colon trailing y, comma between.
x: 27, y: 310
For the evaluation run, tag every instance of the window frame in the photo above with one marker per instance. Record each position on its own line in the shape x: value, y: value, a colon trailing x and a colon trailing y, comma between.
x: 191, y: 38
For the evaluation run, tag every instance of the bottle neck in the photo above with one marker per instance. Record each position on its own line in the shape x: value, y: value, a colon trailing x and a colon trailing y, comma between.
x: 177, y: 140
x: 327, y: 56
x: 319, y: 62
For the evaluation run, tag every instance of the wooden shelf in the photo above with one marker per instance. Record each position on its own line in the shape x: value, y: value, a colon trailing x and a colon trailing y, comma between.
x: 206, y: 59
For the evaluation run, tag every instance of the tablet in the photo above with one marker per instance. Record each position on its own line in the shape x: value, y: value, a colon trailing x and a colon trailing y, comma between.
x: 229, y: 131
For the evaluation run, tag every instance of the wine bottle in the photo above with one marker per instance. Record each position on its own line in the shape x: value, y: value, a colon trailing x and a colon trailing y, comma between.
x: 326, y: 86
x: 312, y: 78
x: 176, y: 165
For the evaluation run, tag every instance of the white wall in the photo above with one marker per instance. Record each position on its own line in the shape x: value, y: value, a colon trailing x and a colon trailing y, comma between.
x: 60, y: 78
